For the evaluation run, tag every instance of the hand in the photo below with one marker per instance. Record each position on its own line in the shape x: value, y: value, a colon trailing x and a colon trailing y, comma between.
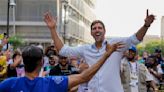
x: 18, y: 59
x: 114, y: 47
x: 149, y: 19
x: 83, y: 66
x: 49, y: 20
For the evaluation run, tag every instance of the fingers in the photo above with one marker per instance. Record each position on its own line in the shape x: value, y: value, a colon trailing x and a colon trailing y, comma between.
x: 119, y: 45
x: 47, y: 16
x: 147, y: 13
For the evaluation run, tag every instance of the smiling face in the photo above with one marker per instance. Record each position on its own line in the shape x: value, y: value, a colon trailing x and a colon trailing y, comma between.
x: 98, y: 31
x: 63, y: 61
x: 131, y: 55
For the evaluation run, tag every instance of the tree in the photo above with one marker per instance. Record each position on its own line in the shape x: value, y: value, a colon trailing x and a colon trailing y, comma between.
x: 150, y: 46
x: 16, y: 41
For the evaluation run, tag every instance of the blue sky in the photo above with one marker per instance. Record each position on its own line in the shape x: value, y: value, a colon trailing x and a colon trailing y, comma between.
x: 125, y: 17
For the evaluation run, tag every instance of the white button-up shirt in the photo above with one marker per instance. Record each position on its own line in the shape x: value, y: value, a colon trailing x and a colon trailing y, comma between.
x: 107, y: 79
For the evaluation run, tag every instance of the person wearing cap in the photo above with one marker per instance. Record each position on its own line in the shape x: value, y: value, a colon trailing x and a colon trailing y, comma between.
x: 134, y: 75
x: 33, y: 61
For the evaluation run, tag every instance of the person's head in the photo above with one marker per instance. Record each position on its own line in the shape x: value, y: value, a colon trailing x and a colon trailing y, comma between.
x: 50, y: 50
x: 98, y: 30
x: 151, y: 61
x: 158, y: 53
x: 63, y: 61
x: 32, y: 58
x: 132, y: 53
x: 16, y: 55
x: 53, y: 60
x: 145, y: 55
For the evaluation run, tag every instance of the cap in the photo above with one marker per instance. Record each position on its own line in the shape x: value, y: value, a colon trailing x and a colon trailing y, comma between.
x: 133, y: 48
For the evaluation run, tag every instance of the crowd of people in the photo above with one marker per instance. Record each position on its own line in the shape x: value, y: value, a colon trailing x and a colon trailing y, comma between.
x: 104, y: 66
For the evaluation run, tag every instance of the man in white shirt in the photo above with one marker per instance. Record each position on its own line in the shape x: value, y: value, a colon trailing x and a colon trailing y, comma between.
x: 107, y: 79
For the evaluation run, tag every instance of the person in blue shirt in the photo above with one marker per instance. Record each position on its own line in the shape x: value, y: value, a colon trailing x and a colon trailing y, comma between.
x: 33, y: 61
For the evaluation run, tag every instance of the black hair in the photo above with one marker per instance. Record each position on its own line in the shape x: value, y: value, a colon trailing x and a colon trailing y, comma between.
x: 32, y: 57
x: 157, y: 51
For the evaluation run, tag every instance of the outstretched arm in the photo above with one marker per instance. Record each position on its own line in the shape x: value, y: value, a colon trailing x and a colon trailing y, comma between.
x: 51, y: 23
x: 87, y: 74
x: 142, y: 31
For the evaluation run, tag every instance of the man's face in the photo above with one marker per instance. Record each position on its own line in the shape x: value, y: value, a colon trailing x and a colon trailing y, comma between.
x: 131, y: 55
x: 53, y: 60
x: 98, y: 32
x: 63, y: 61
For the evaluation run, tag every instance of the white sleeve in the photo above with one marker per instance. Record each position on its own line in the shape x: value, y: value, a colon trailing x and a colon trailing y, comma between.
x: 159, y: 69
x: 128, y: 41
x: 72, y: 51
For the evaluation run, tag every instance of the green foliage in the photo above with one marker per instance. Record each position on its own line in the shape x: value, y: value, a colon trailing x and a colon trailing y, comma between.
x: 140, y: 49
x: 150, y: 46
x: 16, y: 41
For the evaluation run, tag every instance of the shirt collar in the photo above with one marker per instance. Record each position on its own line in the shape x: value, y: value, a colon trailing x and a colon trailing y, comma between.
x: 103, y: 44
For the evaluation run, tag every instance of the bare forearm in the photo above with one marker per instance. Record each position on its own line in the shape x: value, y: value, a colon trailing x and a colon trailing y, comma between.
x: 57, y: 41
x: 153, y: 85
x: 141, y: 33
x: 87, y: 74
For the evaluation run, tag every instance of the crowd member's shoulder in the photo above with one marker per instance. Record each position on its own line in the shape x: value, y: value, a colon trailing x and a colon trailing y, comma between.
x: 7, y: 83
x: 142, y: 66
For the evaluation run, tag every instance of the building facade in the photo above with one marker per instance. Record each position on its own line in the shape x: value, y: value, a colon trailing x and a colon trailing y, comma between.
x: 26, y: 20
x: 162, y: 28
x: 162, y: 34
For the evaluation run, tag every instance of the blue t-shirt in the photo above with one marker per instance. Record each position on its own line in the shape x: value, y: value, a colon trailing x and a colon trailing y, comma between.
x: 39, y: 84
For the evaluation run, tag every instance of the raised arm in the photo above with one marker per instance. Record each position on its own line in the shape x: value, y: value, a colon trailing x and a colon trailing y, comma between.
x: 87, y: 74
x: 51, y: 23
x: 142, y: 31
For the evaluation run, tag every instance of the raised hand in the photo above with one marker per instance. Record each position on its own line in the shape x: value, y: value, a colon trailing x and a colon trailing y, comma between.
x: 149, y: 19
x: 18, y: 59
x: 50, y: 20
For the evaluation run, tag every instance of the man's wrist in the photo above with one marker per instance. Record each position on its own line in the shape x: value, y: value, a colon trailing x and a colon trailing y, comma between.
x: 146, y: 26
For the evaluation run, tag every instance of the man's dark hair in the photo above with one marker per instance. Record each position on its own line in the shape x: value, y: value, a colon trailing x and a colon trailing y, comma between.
x: 97, y: 21
x: 32, y: 57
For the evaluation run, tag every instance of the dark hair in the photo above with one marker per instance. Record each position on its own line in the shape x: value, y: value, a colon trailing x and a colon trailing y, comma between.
x: 32, y: 57
x: 157, y: 51
x: 97, y: 21
x: 50, y: 49
x: 15, y: 54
